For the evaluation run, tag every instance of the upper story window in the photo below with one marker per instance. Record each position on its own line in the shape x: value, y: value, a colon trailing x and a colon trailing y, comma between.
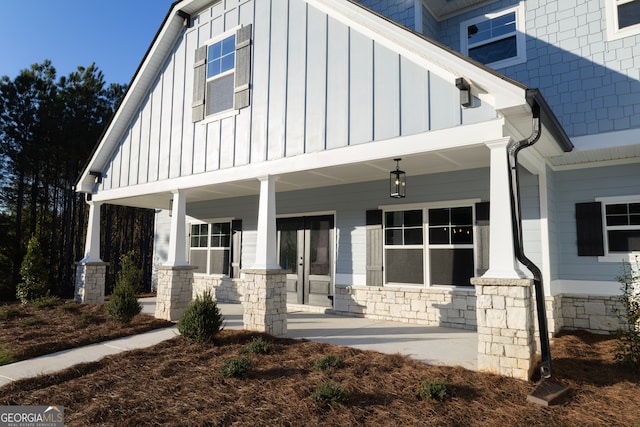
x: 623, y: 18
x: 495, y: 39
x: 220, y: 76
x: 222, y: 72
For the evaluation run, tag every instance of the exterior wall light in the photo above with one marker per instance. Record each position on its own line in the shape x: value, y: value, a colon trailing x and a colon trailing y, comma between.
x: 397, y: 182
x: 465, y: 92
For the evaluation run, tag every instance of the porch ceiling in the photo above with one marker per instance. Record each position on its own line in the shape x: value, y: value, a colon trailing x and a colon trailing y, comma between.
x: 469, y: 157
x: 443, y: 9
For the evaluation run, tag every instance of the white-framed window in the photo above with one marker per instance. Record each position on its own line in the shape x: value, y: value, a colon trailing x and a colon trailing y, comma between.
x: 623, y: 18
x: 220, y: 75
x: 495, y: 39
x: 210, y: 247
x: 432, y: 244
x: 621, y: 223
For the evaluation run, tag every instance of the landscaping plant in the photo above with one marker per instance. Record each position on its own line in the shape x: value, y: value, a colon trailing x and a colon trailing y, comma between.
x: 257, y: 345
x: 124, y: 304
x: 328, y: 362
x: 433, y: 390
x: 202, y: 319
x: 238, y: 367
x: 329, y: 392
x: 34, y: 272
x: 628, y: 351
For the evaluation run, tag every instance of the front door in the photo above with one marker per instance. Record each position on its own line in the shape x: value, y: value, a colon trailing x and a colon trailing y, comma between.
x: 304, y: 248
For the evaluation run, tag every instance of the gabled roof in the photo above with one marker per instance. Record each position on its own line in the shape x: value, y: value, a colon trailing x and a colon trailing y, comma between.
x: 504, y: 94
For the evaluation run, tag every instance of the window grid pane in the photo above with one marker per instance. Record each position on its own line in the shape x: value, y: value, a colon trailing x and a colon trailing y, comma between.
x: 403, y: 228
x: 451, y: 226
x: 221, y: 57
x: 628, y: 14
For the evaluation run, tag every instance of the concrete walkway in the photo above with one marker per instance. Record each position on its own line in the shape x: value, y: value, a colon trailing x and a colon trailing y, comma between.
x: 432, y: 345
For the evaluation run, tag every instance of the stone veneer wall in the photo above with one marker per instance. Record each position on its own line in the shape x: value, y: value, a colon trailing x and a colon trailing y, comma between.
x: 222, y: 288
x: 598, y: 314
x: 265, y: 301
x: 426, y: 306
x: 174, y: 291
x: 90, y: 282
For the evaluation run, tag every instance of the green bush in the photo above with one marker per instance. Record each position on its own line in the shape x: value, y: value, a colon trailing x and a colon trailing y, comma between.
x: 9, y: 313
x: 46, y: 302
x: 201, y: 320
x: 35, y: 272
x: 628, y: 349
x: 328, y: 363
x: 238, y: 367
x: 330, y: 393
x: 257, y: 345
x: 124, y: 304
x: 434, y: 390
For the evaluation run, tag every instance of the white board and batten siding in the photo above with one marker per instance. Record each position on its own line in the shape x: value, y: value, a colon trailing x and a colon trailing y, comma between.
x: 316, y: 84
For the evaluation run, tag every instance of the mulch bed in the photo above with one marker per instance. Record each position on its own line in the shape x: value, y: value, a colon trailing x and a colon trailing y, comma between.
x: 27, y: 331
x: 179, y: 383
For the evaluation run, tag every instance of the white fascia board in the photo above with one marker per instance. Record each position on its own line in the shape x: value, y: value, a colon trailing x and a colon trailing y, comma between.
x: 138, y: 88
x: 486, y: 85
x: 472, y: 135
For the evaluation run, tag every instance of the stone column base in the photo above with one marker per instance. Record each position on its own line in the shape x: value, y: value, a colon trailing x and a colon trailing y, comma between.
x: 506, y: 333
x: 90, y: 281
x: 265, y: 301
x: 174, y: 291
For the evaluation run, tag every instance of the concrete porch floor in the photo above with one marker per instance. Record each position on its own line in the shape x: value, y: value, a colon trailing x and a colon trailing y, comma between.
x: 428, y: 344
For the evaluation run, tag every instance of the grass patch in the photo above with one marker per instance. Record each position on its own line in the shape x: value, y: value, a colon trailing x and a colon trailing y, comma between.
x: 328, y: 362
x: 35, y: 321
x: 257, y: 345
x: 6, y: 356
x: 70, y: 308
x: 330, y: 393
x: 434, y: 390
x: 8, y: 312
x: 45, y: 302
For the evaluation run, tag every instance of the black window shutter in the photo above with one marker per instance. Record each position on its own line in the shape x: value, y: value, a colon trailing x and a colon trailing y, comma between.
x: 199, y: 84
x: 236, y: 247
x: 482, y: 238
x: 375, y: 243
x: 243, y: 67
x: 589, y: 229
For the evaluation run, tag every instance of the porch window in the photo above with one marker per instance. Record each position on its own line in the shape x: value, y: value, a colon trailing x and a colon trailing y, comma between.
x: 404, y: 247
x: 623, y: 18
x: 622, y: 223
x: 451, y: 259
x: 210, y: 248
x: 495, y: 39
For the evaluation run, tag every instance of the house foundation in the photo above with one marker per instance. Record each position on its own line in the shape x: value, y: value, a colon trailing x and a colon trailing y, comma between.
x: 174, y: 291
x: 90, y: 281
x: 506, y: 331
x: 265, y: 301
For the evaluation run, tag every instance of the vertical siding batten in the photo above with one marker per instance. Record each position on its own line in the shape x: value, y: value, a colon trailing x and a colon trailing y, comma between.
x: 316, y: 80
x: 134, y: 155
x: 360, y: 88
x: 260, y: 71
x: 188, y: 127
x: 386, y: 86
x: 337, y: 106
x: 277, y: 79
x: 296, y: 78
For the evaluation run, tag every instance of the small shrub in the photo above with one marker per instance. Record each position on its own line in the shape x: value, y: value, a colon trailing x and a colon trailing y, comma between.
x: 34, y: 271
x: 434, y: 390
x: 329, y: 393
x: 201, y: 320
x: 124, y: 304
x: 628, y: 348
x: 36, y: 321
x: 87, y: 318
x: 6, y: 357
x: 257, y: 345
x: 70, y: 307
x: 9, y: 313
x: 328, y: 363
x: 238, y: 367
x: 45, y: 302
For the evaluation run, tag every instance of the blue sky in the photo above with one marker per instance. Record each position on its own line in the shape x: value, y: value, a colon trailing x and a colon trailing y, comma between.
x: 115, y: 34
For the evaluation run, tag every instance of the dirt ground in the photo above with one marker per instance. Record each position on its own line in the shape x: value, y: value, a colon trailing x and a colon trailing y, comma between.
x: 179, y: 383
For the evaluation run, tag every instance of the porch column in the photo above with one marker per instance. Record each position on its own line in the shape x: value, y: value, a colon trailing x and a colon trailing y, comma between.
x: 265, y: 297
x: 502, y: 257
x: 176, y: 276
x: 91, y: 270
x: 504, y: 310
